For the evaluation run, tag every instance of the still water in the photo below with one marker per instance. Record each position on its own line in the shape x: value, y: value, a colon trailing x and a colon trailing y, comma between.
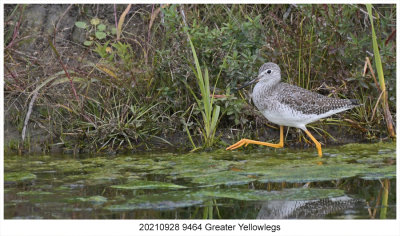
x: 356, y: 181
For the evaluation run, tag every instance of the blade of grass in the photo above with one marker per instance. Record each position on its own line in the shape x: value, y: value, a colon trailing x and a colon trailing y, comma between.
x: 377, y: 57
x: 379, y: 68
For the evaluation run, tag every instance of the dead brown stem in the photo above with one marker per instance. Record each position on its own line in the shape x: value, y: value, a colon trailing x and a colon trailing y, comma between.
x: 121, y: 21
x: 385, y: 104
x: 65, y: 69
x: 16, y: 28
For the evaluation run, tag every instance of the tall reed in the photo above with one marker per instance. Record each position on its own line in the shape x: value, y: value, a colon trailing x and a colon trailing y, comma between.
x: 379, y: 68
x: 209, y: 111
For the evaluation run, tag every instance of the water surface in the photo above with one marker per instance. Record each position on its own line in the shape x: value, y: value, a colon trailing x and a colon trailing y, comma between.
x: 347, y: 183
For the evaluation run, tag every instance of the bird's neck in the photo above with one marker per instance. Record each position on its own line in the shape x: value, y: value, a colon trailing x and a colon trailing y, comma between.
x: 263, y: 86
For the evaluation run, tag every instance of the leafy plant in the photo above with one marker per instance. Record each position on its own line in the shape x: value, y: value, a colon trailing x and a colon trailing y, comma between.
x: 96, y: 30
x: 117, y: 61
x: 210, y: 112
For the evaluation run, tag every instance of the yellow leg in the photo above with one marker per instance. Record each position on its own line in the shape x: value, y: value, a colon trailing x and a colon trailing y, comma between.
x: 249, y: 141
x: 317, y: 144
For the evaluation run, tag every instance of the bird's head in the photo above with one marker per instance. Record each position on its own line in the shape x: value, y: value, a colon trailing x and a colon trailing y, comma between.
x: 269, y: 73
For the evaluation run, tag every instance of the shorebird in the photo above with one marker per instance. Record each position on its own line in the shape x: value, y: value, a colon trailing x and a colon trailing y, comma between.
x: 289, y: 105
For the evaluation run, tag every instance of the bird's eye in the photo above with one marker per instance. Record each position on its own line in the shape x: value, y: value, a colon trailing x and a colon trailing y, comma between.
x: 269, y: 71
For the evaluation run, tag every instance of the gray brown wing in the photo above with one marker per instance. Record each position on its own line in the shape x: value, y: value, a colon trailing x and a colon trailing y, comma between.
x: 308, y: 102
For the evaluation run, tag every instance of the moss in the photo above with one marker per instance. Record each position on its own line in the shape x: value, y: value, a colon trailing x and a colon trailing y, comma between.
x: 142, y: 184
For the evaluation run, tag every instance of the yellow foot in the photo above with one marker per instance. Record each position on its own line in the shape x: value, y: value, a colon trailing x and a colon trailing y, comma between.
x: 249, y: 141
x: 317, y: 144
x: 319, y: 151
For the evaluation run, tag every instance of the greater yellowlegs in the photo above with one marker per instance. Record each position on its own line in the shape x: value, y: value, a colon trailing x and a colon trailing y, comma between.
x: 289, y: 105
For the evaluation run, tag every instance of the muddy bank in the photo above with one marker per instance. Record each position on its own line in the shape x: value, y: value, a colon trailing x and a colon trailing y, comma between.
x: 40, y: 141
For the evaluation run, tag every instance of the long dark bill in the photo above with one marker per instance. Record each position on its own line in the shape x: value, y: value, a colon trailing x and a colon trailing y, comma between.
x: 248, y: 83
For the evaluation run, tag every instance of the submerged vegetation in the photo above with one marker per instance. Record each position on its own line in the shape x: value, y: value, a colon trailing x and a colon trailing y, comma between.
x: 115, y: 77
x: 356, y: 181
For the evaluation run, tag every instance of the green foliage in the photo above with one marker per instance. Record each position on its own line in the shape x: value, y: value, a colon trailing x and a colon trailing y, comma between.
x: 239, y: 42
x: 119, y: 54
x: 96, y: 31
x: 316, y: 49
x: 232, y: 107
x: 233, y: 48
x: 377, y: 56
x: 319, y: 47
x: 103, y: 51
x: 117, y: 120
x: 210, y: 112
x: 119, y: 63
x: 81, y: 24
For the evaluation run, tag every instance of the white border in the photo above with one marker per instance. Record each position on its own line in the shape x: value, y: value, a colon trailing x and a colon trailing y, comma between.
x: 130, y: 227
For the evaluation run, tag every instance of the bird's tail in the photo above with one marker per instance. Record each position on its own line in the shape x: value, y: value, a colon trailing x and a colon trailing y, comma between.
x: 355, y: 102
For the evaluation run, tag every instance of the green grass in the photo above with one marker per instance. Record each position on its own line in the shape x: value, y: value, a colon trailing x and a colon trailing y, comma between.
x: 116, y: 122
x: 377, y: 56
x: 209, y: 111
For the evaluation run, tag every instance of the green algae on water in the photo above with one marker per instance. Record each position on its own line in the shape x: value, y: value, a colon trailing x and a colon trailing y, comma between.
x: 261, y: 195
x: 144, y: 184
x: 34, y: 193
x: 105, y: 186
x: 96, y: 200
x: 160, y: 201
x: 18, y: 177
x: 177, y: 199
x: 222, y: 178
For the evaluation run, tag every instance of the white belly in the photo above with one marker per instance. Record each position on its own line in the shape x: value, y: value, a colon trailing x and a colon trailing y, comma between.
x: 286, y: 118
x: 292, y: 118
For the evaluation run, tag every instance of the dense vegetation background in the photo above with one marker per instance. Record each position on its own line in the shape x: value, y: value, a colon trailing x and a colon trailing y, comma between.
x: 123, y: 77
